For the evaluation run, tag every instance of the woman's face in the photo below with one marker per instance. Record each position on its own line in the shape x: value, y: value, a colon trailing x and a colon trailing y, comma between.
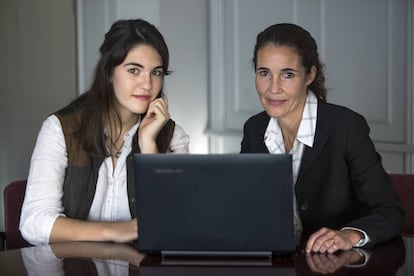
x: 137, y: 80
x: 281, y: 81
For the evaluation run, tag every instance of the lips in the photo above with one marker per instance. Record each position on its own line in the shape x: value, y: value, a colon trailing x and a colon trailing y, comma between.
x: 276, y: 102
x: 142, y: 97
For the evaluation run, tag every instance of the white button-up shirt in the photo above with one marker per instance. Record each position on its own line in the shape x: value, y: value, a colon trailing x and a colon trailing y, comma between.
x: 44, y: 191
x: 305, y: 136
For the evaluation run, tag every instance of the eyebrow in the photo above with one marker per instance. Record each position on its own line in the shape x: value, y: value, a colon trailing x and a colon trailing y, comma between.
x: 141, y: 66
x: 283, y: 70
x: 289, y: 69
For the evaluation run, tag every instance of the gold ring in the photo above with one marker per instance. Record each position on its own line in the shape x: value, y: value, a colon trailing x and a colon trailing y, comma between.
x: 333, y: 241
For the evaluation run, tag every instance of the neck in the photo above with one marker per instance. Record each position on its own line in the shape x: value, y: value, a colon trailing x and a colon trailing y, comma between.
x: 289, y: 126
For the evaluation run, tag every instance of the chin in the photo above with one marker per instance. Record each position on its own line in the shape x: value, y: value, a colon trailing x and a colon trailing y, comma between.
x: 274, y: 113
x: 140, y: 110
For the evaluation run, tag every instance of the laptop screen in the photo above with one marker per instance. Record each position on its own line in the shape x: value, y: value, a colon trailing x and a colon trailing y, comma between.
x: 214, y: 204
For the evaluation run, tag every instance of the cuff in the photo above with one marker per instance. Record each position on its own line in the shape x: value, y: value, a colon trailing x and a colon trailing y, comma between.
x: 362, y: 241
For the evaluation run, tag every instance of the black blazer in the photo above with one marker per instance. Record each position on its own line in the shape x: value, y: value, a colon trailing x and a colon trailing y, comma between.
x: 341, y: 179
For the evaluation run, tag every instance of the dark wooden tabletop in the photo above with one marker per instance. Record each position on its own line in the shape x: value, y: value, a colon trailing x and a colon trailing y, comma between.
x: 395, y: 257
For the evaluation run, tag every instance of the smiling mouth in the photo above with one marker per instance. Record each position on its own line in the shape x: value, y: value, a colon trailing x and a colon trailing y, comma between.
x: 141, y: 97
x: 276, y: 102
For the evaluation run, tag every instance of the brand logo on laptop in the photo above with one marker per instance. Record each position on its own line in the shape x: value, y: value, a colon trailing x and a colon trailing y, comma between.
x: 167, y: 171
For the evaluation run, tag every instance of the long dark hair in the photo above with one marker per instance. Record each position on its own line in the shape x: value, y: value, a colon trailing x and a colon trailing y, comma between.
x: 294, y: 36
x: 100, y: 109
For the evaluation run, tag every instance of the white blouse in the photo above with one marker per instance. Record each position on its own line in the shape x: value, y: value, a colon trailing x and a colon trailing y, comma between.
x: 44, y: 190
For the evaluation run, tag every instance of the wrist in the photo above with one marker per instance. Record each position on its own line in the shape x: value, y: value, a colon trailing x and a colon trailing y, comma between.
x: 356, y: 237
x: 148, y: 146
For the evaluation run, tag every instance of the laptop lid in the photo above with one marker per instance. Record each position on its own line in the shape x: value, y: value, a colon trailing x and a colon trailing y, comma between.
x: 214, y: 204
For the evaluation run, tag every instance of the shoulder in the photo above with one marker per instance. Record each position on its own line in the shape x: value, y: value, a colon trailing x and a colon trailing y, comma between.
x: 332, y: 116
x: 336, y: 110
x: 333, y: 113
x: 180, y: 140
x: 51, y: 125
x: 179, y: 131
x: 259, y: 120
x: 70, y: 116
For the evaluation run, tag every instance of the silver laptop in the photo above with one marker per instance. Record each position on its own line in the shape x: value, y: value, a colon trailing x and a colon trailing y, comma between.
x: 214, y: 204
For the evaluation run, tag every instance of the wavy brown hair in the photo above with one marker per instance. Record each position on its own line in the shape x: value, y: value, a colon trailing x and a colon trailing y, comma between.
x: 100, y: 110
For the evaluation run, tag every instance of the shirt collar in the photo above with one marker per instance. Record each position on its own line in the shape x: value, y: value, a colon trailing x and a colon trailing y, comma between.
x: 307, y: 127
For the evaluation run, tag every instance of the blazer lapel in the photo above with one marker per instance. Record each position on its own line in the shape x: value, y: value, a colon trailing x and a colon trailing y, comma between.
x: 311, y: 153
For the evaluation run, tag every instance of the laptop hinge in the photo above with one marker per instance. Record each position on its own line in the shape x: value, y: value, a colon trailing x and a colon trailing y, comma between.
x: 266, y: 254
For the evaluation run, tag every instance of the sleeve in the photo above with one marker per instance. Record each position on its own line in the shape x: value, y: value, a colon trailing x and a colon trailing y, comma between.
x: 245, y: 140
x: 43, y: 199
x: 383, y: 215
x: 180, y: 141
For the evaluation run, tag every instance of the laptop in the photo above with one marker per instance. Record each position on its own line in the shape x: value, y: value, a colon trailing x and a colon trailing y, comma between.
x: 214, y: 204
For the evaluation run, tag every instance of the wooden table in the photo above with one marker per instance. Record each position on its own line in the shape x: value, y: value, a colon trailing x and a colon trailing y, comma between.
x: 395, y: 257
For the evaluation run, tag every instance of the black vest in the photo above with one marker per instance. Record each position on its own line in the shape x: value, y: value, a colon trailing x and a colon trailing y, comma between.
x: 82, y: 171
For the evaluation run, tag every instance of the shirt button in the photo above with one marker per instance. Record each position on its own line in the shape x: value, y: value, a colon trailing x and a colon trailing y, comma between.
x: 304, y: 206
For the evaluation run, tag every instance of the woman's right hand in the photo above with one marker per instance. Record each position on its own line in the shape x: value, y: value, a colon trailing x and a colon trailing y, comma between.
x: 124, y: 231
x: 155, y: 119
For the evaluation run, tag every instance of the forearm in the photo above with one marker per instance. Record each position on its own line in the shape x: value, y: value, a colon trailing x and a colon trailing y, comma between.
x: 149, y: 146
x: 67, y: 229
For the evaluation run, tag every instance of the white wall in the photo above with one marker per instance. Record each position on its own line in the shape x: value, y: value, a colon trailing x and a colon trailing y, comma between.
x: 37, y: 77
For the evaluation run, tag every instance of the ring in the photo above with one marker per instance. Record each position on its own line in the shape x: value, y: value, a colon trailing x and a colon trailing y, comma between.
x: 332, y: 241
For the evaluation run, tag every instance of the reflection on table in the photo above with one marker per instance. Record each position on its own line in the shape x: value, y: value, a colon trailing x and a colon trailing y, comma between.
x: 395, y: 257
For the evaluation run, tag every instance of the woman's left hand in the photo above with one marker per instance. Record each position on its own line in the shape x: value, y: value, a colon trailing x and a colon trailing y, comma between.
x: 155, y: 119
x: 328, y: 240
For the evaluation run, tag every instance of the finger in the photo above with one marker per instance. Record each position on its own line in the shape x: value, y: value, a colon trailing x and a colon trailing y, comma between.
x: 160, y: 114
x: 159, y: 107
x: 324, y: 242
x: 334, y: 247
x: 161, y: 101
x: 317, y: 240
x: 157, y: 112
x: 328, y: 240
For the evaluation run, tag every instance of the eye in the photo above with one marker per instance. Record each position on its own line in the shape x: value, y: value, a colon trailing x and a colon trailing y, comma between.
x: 157, y: 73
x: 262, y: 73
x: 288, y: 75
x: 133, y: 70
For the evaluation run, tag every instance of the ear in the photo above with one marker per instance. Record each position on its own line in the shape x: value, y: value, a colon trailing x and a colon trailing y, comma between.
x: 311, y: 76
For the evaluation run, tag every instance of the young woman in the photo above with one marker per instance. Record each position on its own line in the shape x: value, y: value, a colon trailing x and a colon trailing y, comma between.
x: 343, y: 196
x: 80, y: 183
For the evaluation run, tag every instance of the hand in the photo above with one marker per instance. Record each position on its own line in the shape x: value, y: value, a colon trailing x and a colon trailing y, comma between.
x: 329, y: 263
x: 124, y: 231
x: 328, y: 240
x: 155, y: 119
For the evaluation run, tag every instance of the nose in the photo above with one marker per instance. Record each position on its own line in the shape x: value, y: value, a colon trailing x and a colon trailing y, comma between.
x: 145, y: 81
x: 274, y: 85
